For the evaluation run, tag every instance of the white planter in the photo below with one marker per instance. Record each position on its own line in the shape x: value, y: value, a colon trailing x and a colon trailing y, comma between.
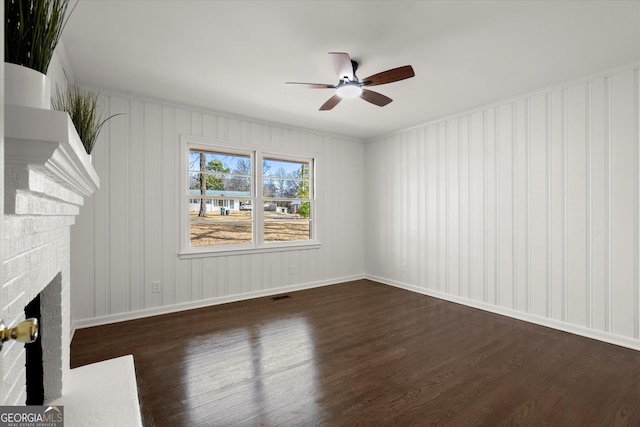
x: 26, y: 87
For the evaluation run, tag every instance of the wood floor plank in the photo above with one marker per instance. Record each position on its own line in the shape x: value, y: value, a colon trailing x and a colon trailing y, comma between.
x: 363, y: 353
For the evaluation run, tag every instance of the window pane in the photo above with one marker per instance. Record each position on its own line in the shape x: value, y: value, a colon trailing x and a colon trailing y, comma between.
x: 223, y: 171
x: 284, y: 221
x: 219, y: 182
x: 285, y: 188
x: 285, y: 179
x: 216, y: 222
x: 194, y: 181
x: 285, y: 168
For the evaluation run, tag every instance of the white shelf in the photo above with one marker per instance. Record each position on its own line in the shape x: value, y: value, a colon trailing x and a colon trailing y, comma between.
x: 47, y: 140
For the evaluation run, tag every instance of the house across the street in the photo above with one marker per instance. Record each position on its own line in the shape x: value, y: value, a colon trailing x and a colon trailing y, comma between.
x: 217, y: 199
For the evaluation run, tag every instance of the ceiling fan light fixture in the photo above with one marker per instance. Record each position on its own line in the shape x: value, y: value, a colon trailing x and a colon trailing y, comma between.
x: 349, y: 90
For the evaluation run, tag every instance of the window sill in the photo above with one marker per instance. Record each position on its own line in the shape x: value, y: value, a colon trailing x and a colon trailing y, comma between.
x: 208, y: 253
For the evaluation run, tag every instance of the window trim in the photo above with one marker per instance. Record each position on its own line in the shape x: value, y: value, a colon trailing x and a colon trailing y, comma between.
x: 185, y: 251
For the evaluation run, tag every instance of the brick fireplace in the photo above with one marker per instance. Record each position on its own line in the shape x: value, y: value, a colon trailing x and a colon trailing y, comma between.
x: 47, y: 176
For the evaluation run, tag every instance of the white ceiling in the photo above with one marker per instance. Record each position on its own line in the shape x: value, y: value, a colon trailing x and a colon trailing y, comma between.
x: 234, y: 56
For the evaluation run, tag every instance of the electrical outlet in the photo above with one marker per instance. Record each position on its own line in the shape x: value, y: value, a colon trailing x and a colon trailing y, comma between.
x: 155, y: 286
x: 403, y: 266
x: 292, y: 270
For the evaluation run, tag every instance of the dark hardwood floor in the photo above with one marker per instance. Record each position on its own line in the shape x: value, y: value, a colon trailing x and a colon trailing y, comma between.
x: 363, y: 353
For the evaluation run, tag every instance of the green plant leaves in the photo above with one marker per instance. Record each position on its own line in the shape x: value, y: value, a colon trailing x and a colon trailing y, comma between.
x: 32, y: 31
x: 84, y: 110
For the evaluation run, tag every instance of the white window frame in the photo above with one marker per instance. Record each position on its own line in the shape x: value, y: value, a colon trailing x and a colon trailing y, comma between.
x: 189, y: 142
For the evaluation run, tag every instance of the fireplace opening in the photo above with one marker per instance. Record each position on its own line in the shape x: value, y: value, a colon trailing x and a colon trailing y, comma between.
x: 34, y: 364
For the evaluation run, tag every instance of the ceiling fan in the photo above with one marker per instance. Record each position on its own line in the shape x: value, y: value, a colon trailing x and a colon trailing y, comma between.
x: 350, y: 86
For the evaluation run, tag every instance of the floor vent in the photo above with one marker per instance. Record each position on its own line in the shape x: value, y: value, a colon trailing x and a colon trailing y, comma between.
x: 279, y: 297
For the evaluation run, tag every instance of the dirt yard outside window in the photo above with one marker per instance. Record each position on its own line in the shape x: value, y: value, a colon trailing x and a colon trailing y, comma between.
x: 235, y: 228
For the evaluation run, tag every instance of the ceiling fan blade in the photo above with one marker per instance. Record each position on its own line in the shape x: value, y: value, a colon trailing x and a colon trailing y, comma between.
x: 342, y: 65
x: 331, y: 102
x: 375, y: 98
x: 313, y: 85
x: 389, y: 76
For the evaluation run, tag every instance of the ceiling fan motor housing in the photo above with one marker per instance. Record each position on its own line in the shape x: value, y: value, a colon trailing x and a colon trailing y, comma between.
x: 354, y: 64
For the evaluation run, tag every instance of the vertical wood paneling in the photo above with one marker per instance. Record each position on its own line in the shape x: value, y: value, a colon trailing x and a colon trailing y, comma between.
x: 170, y: 236
x: 452, y: 207
x: 464, y: 195
x: 607, y: 230
x: 556, y: 204
x: 116, y: 137
x: 102, y: 252
x: 548, y: 215
x: 476, y: 211
x: 421, y: 231
x: 636, y: 106
x: 589, y: 204
x: 489, y: 206
x: 576, y: 205
x: 432, y: 208
x: 598, y: 198
x: 521, y: 207
x: 182, y: 283
x: 136, y: 205
x: 496, y: 216
x: 413, y: 198
x: 565, y: 215
x: 82, y: 297
x: 531, y: 204
x: 398, y: 207
x: 152, y: 196
x: 504, y: 216
x: 442, y: 197
x: 623, y: 167
x: 538, y: 246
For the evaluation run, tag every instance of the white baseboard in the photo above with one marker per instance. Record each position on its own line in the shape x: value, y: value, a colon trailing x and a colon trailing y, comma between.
x: 155, y: 311
x: 527, y: 317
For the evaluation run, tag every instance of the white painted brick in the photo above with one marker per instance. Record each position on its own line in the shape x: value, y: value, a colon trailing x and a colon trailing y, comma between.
x: 14, y: 374
x: 16, y: 394
x: 29, y: 203
x: 14, y: 291
x: 14, y: 310
x: 36, y: 244
x: 14, y: 361
x: 40, y: 183
x: 14, y: 267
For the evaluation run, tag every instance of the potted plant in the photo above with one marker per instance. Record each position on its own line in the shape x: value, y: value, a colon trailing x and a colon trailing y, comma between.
x: 32, y: 31
x: 85, y: 112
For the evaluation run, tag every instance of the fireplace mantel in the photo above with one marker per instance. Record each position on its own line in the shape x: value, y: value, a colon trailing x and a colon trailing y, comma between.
x: 48, y: 141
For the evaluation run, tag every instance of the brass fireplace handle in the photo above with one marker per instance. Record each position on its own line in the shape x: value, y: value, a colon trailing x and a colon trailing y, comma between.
x: 25, y: 331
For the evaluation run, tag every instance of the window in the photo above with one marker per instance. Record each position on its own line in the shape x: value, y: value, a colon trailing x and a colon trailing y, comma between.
x: 244, y: 200
x: 215, y: 180
x: 286, y: 188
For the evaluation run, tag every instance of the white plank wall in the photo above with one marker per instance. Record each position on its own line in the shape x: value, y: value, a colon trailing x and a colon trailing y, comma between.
x: 127, y: 234
x: 527, y: 207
